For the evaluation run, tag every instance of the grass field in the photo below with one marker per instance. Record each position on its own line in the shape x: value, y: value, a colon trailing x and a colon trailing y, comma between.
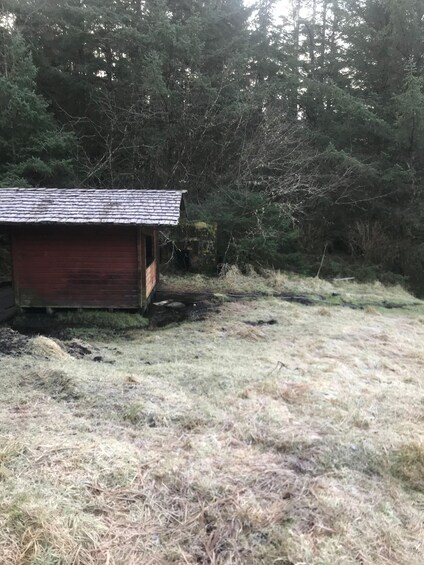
x: 221, y: 441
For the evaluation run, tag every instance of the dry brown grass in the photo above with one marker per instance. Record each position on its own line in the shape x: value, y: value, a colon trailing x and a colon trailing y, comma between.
x: 46, y: 347
x: 53, y: 382
x: 269, y: 282
x: 250, y: 333
x: 210, y: 442
x: 288, y: 391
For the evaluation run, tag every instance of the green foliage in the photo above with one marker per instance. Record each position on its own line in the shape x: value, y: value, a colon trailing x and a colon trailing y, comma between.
x: 251, y: 228
x: 310, y: 125
x: 410, y: 114
x: 339, y: 266
x: 33, y: 151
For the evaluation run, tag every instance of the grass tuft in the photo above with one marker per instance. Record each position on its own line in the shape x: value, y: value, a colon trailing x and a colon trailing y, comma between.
x: 407, y: 464
x: 9, y: 449
x: 290, y: 392
x: 249, y: 333
x: 40, y: 533
x: 56, y: 383
x: 102, y: 319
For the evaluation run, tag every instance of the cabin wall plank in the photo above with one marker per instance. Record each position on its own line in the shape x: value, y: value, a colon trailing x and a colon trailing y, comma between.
x: 76, y: 266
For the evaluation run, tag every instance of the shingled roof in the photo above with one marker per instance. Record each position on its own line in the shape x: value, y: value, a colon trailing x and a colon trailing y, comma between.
x: 89, y: 206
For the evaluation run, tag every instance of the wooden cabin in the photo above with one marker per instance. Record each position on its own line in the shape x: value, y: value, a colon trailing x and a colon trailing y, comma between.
x: 86, y: 248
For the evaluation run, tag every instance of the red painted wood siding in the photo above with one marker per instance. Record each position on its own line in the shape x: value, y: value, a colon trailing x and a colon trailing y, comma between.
x: 76, y: 266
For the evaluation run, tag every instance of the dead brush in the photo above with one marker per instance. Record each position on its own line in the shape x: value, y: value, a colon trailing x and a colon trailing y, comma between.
x: 57, y: 384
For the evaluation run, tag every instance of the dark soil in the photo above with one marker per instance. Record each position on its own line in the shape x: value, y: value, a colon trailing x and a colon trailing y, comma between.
x: 168, y: 308
x: 271, y: 322
x: 301, y: 299
x: 34, y: 322
x: 11, y: 342
x: 80, y: 349
x: 83, y: 350
x: 16, y: 344
x: 197, y: 306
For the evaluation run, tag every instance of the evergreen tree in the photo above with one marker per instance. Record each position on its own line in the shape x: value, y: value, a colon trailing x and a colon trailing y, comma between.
x: 33, y: 150
x: 302, y: 134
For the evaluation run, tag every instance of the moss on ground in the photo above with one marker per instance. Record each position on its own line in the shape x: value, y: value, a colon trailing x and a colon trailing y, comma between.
x: 78, y: 323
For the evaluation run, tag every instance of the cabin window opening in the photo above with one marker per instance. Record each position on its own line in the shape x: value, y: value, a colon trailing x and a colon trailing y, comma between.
x: 150, y: 250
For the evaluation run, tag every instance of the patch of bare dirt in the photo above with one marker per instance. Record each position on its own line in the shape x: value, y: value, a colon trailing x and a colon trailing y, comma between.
x: 12, y: 342
x: 179, y: 307
x: 80, y: 349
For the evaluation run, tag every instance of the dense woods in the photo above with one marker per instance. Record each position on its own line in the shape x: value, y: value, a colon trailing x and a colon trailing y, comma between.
x: 302, y: 135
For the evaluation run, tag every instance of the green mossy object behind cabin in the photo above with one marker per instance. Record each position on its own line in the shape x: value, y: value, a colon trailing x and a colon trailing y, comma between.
x: 197, y: 241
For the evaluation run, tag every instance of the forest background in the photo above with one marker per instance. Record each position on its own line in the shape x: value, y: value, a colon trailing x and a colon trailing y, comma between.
x: 302, y: 135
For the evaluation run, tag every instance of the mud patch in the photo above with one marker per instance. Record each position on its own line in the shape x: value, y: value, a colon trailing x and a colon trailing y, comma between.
x: 271, y: 322
x: 306, y: 300
x: 12, y: 342
x: 177, y: 308
x: 16, y: 344
x: 81, y: 349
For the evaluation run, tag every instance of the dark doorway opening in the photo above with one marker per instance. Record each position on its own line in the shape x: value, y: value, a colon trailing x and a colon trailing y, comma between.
x: 5, y: 259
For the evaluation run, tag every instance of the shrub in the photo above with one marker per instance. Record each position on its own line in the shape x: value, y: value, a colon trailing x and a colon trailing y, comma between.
x: 251, y: 228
